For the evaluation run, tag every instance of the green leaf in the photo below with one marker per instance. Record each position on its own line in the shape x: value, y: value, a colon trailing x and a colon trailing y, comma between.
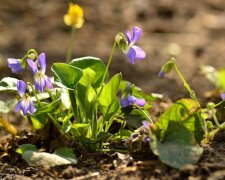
x: 38, y: 121
x: 46, y: 107
x: 7, y: 106
x: 123, y: 134
x: 66, y: 126
x: 66, y: 74
x: 8, y: 84
x: 93, y: 63
x: 109, y: 112
x: 102, y: 137
x: 110, y: 90
x: 133, y: 117
x: 178, y: 147
x: 79, y: 129
x: 184, y: 111
x: 26, y: 147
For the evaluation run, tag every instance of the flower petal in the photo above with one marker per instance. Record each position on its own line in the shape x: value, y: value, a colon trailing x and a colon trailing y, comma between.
x: 136, y: 34
x: 21, y: 86
x: 32, y: 65
x: 129, y: 39
x: 140, y: 102
x: 146, y: 124
x: 14, y: 65
x: 131, y: 55
x: 42, y: 62
x: 48, y: 83
x: 31, y: 107
x: 131, y: 100
x: 18, y: 106
x: 124, y: 102
x: 140, y: 54
x: 223, y: 96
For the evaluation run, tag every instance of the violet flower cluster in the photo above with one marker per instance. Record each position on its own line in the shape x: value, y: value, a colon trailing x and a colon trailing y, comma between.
x: 25, y: 104
x: 42, y: 81
x: 131, y: 100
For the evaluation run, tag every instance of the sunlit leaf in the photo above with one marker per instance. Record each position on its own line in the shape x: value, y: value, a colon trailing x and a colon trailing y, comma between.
x: 66, y: 74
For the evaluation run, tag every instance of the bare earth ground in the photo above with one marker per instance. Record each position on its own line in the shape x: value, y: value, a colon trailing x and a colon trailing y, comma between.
x: 193, y: 31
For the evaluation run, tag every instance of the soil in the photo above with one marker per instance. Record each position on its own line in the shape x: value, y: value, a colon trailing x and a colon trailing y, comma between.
x: 192, y: 31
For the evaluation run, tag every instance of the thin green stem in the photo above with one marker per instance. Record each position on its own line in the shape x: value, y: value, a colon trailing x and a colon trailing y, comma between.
x: 186, y: 85
x: 215, y: 119
x: 33, y: 90
x: 74, y: 105
x: 108, y: 64
x: 70, y: 48
x: 145, y: 114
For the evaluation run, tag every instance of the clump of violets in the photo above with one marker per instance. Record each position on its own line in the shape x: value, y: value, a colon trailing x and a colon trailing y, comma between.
x: 25, y: 104
x: 15, y: 64
x: 42, y: 81
x: 128, y: 46
x: 74, y: 16
x: 131, y: 100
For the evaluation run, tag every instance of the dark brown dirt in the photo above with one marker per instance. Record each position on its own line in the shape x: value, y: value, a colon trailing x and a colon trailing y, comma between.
x: 193, y: 31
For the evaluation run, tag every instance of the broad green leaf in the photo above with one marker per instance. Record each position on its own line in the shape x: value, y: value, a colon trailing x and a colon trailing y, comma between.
x: 6, y: 106
x: 110, y: 90
x: 67, y: 153
x: 133, y: 117
x: 123, y: 134
x: 46, y: 108
x: 88, y: 77
x: 111, y: 110
x: 178, y: 147
x: 38, y: 121
x: 93, y: 63
x: 26, y: 147
x: 90, y: 102
x: 184, y: 111
x: 66, y: 74
x: 8, y: 84
x: 102, y: 137
x: 222, y: 78
x: 66, y: 126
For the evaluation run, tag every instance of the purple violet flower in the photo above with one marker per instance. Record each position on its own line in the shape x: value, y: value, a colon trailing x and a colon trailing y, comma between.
x: 130, y: 100
x: 41, y: 80
x: 14, y: 64
x: 146, y: 124
x: 223, y: 96
x: 25, y: 104
x: 134, y: 52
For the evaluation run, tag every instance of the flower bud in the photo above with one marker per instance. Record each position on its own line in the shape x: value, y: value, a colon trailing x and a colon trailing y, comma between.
x: 210, y: 105
x: 121, y: 41
x: 166, y: 68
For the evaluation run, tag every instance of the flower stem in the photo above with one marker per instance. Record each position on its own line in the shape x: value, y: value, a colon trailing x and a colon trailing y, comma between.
x: 70, y: 48
x: 74, y: 105
x: 109, y: 62
x: 186, y: 85
x: 35, y: 94
x: 145, y: 114
x: 215, y: 119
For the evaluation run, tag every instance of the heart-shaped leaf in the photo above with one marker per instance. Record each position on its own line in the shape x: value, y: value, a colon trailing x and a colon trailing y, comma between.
x: 66, y: 74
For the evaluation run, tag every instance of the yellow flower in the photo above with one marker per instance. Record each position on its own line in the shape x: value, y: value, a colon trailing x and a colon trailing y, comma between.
x: 74, y: 16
